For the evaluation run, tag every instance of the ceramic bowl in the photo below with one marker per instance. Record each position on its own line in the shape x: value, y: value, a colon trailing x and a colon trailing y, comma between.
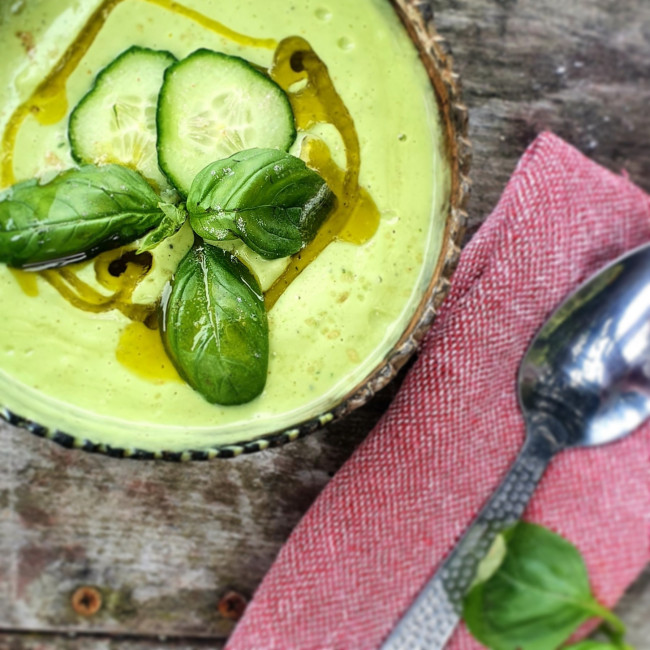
x: 417, y: 18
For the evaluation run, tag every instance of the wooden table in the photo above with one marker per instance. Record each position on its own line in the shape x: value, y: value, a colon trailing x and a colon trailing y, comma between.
x: 164, y: 543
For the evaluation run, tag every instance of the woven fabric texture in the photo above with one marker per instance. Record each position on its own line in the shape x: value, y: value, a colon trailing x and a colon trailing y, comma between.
x: 383, y: 524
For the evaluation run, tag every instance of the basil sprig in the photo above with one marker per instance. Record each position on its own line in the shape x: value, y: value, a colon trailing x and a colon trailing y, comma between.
x: 537, y: 597
x: 76, y: 215
x: 215, y: 328
x: 269, y: 199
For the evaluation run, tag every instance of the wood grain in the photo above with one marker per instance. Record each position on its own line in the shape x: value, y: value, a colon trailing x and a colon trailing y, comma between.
x: 30, y: 641
x: 579, y: 68
x: 162, y: 542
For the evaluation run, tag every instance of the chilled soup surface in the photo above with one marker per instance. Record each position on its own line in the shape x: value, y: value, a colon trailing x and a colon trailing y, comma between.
x: 99, y: 375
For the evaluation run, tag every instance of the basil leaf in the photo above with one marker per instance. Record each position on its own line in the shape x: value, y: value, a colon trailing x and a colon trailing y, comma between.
x: 538, y: 596
x: 76, y: 215
x: 269, y: 199
x: 172, y: 221
x: 215, y: 327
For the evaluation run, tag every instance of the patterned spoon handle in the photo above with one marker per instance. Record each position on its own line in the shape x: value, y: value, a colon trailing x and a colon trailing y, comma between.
x: 432, y: 618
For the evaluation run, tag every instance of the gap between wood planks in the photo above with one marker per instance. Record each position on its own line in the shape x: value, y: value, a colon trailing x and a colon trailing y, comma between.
x: 144, y: 640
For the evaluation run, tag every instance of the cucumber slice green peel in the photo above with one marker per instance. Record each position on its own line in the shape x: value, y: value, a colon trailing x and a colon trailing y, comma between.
x: 211, y: 106
x: 115, y: 122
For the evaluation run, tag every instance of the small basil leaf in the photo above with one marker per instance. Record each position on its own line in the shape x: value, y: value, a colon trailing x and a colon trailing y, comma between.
x: 215, y: 327
x: 76, y: 215
x: 538, y: 596
x: 172, y: 221
x: 269, y: 199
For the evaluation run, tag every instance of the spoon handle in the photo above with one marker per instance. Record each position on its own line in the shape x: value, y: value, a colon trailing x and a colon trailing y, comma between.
x: 433, y: 616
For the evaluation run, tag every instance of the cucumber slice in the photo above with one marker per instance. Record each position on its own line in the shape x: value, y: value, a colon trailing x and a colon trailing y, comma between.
x: 115, y: 122
x: 211, y: 106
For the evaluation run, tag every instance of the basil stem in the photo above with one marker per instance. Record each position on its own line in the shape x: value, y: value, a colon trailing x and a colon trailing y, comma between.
x: 171, y: 223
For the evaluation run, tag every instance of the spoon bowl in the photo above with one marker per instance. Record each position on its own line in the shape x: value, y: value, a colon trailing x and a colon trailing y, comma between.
x: 584, y: 381
x: 589, y: 366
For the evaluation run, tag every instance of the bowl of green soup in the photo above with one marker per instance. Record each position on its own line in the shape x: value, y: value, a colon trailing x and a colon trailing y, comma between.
x: 222, y: 224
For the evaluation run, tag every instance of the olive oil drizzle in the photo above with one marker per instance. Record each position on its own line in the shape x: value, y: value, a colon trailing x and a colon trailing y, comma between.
x: 215, y: 26
x: 356, y: 217
x: 48, y: 103
x: 119, y: 271
x: 141, y: 350
x: 27, y: 281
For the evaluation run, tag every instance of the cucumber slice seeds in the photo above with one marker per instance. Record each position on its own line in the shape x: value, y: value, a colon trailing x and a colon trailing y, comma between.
x: 115, y: 122
x: 211, y: 106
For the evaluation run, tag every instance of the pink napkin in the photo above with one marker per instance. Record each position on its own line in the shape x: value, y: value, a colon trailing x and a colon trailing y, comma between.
x: 383, y: 524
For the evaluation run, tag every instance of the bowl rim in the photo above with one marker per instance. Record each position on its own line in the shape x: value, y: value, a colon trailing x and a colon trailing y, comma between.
x: 417, y: 18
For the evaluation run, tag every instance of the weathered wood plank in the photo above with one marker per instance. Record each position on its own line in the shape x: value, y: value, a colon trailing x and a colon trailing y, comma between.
x: 634, y: 609
x: 19, y: 641
x: 577, y: 68
x: 163, y: 543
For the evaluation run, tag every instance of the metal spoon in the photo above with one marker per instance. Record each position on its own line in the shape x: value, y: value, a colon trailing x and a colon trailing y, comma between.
x: 584, y: 381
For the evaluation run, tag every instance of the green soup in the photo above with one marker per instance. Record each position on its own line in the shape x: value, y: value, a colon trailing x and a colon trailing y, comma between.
x: 95, y: 375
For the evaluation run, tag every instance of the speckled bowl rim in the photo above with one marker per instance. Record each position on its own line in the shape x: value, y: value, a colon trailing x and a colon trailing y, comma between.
x: 417, y: 17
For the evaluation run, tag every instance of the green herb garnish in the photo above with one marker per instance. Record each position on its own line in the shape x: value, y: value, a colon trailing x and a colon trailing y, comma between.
x: 78, y: 214
x: 173, y: 220
x: 214, y: 319
x: 267, y: 198
x: 215, y: 327
x: 537, y: 597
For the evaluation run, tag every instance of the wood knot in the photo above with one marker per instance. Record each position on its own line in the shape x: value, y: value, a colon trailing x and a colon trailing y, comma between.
x: 232, y: 606
x: 86, y: 601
